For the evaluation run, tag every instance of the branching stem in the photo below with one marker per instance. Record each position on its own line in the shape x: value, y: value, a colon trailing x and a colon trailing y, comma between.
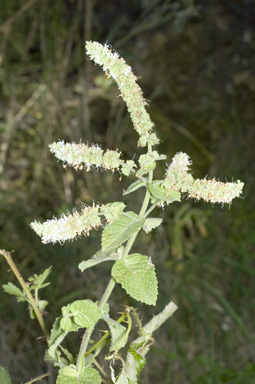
x: 30, y: 298
x: 112, y: 282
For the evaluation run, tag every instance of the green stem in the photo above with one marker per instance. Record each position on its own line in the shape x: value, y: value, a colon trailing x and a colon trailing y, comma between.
x: 30, y: 298
x: 141, y: 214
x: 88, y: 332
x: 112, y: 282
x: 39, y: 378
x: 104, y: 338
x: 107, y: 292
x: 154, y: 205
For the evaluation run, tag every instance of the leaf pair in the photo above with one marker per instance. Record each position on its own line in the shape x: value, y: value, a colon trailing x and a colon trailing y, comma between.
x: 82, y: 313
x: 134, y: 272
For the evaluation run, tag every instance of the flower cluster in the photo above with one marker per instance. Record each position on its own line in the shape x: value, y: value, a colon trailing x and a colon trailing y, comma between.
x: 112, y: 211
x: 215, y: 191
x: 130, y: 91
x: 82, y: 156
x: 148, y: 160
x: 70, y: 226
x: 178, y: 178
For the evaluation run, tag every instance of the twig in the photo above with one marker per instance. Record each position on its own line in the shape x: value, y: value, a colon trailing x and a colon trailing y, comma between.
x: 38, y: 378
x: 8, y: 258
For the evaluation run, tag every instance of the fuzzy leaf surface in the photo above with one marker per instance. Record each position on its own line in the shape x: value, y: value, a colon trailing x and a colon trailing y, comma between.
x: 11, y: 289
x: 120, y: 230
x: 57, y: 335
x: 123, y: 379
x: 98, y: 258
x: 118, y: 333
x: 160, y: 193
x: 86, y: 313
x: 66, y: 324
x: 38, y: 281
x: 157, y: 191
x: 134, y: 186
x: 136, y: 274
x: 4, y: 376
x: 151, y: 223
x: 68, y: 375
x: 135, y: 362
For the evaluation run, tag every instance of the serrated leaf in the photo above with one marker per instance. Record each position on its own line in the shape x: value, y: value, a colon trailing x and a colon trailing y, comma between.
x: 69, y: 357
x: 120, y: 230
x: 151, y: 223
x: 69, y: 371
x: 134, y: 186
x: 11, y: 289
x: 88, y: 376
x: 118, y: 333
x: 56, y: 337
x: 85, y: 312
x: 136, y: 274
x: 56, y: 332
x: 66, y: 323
x: 135, y: 362
x: 98, y: 258
x: 4, y: 376
x: 42, y: 277
x: 122, y: 379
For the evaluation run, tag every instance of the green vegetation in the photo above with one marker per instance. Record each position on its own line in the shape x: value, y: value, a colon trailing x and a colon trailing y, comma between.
x: 199, y: 80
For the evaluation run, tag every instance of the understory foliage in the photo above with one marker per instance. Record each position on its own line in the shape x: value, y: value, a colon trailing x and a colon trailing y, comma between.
x: 133, y: 271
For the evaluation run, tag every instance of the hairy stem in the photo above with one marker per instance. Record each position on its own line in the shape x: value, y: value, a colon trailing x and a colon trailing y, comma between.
x: 88, y: 332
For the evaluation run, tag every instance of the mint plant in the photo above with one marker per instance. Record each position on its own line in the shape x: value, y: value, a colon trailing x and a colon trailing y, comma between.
x: 133, y: 271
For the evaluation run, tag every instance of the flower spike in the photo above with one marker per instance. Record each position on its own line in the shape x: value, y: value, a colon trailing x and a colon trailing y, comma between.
x: 82, y: 156
x: 70, y: 226
x: 130, y: 91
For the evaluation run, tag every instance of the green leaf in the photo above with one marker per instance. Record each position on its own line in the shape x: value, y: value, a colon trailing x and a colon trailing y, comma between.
x: 66, y: 323
x: 136, y: 274
x: 98, y: 258
x: 157, y: 191
x: 172, y: 196
x: 11, y: 289
x: 134, y: 186
x: 123, y: 379
x: 120, y: 230
x: 118, y: 333
x: 152, y: 223
x: 4, y: 376
x: 57, y: 335
x: 68, y: 375
x: 69, y: 371
x: 42, y: 277
x: 160, y: 193
x: 136, y: 361
x: 85, y: 312
x: 69, y: 357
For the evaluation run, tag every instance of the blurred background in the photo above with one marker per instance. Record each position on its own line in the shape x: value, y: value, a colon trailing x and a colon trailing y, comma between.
x: 195, y: 61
